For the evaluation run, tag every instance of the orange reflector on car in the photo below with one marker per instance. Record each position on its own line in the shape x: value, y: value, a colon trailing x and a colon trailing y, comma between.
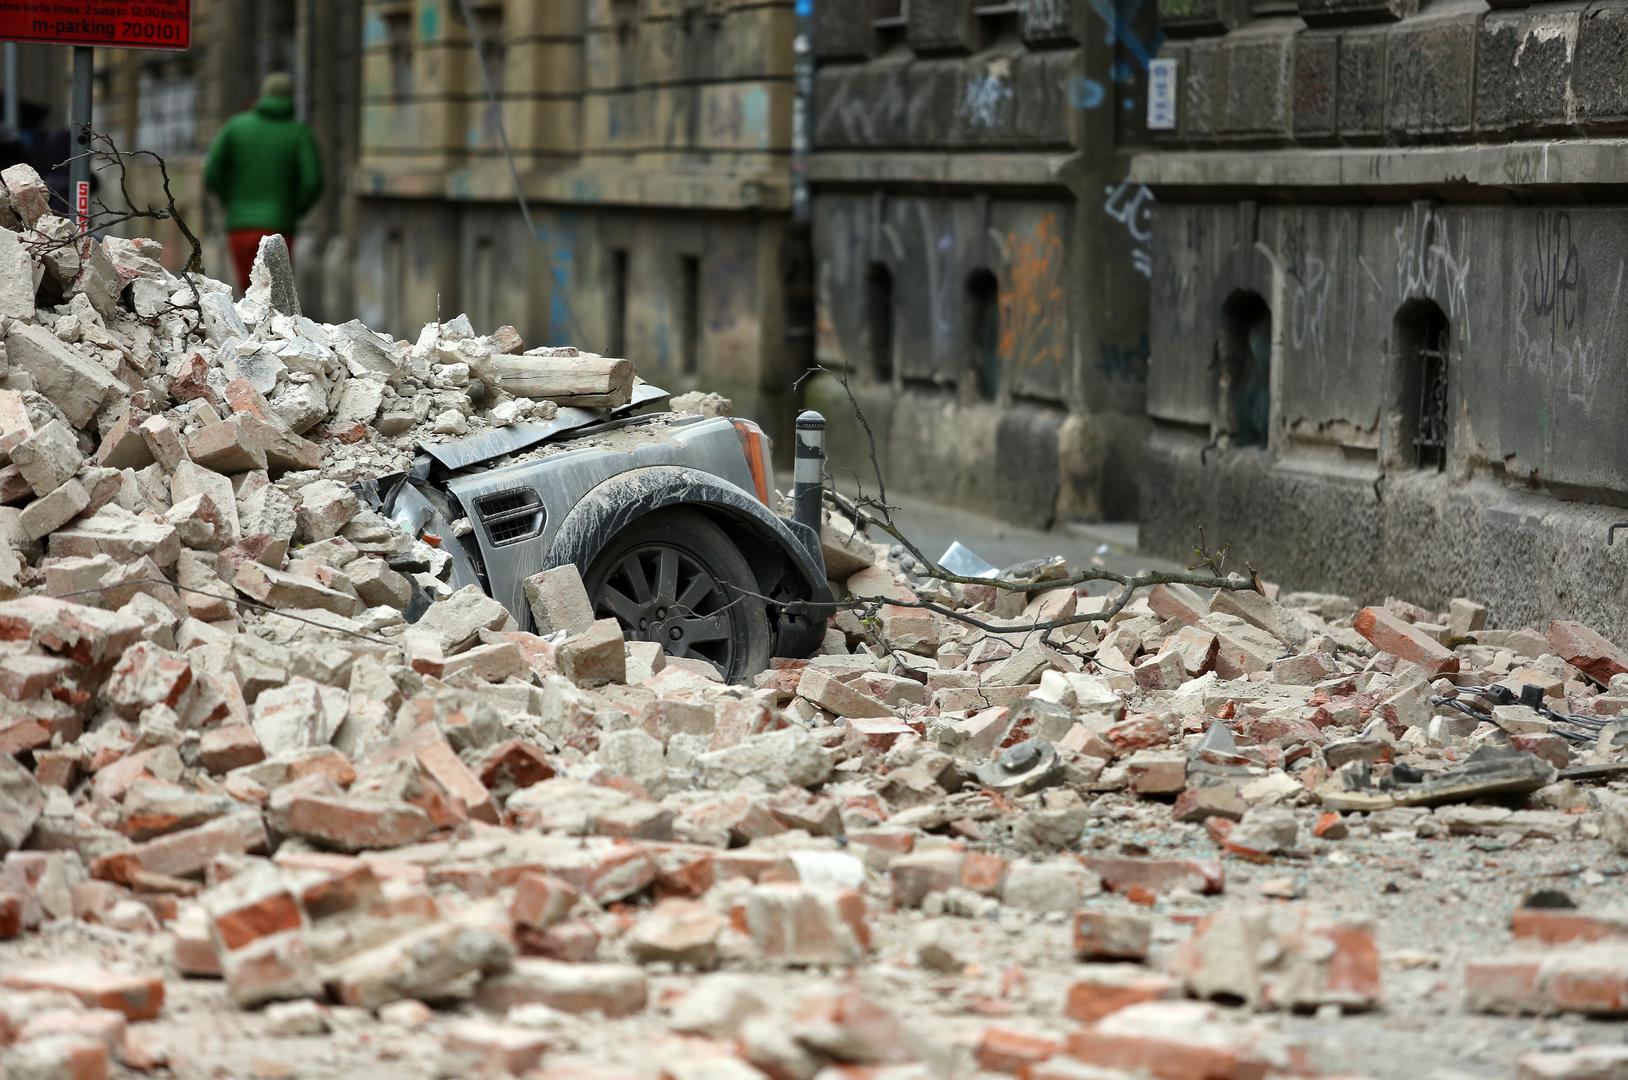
x: 430, y: 539
x: 752, y: 445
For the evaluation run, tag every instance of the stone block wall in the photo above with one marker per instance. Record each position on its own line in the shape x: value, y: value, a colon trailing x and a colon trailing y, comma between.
x: 980, y: 258
x: 1412, y: 198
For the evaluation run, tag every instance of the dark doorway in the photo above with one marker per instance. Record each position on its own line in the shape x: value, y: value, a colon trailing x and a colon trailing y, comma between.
x: 879, y: 321
x: 1246, y: 367
x: 984, y: 332
x: 1419, y: 333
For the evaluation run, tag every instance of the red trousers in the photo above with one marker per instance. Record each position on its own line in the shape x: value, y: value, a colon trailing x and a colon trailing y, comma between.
x: 245, y: 245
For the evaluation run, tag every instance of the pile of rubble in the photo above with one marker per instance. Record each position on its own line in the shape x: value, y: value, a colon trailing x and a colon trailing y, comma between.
x: 255, y: 823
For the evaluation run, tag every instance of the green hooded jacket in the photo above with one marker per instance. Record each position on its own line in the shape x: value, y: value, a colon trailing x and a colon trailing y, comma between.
x: 265, y: 168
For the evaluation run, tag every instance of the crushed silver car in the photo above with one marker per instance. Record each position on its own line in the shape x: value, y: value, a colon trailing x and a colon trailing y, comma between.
x: 668, y: 517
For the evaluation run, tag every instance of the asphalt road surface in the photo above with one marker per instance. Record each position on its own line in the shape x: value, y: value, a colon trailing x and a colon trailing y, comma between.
x: 934, y: 528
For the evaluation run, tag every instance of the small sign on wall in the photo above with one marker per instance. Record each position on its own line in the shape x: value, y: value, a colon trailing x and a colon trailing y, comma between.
x: 1162, y: 95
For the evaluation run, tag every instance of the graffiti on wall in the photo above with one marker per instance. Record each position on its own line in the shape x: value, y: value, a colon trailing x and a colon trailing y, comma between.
x: 1126, y: 363
x: 1131, y: 205
x: 1553, y: 339
x: 558, y: 240
x: 1432, y: 261
x: 736, y: 117
x: 986, y: 98
x: 1046, y: 16
x: 1032, y: 309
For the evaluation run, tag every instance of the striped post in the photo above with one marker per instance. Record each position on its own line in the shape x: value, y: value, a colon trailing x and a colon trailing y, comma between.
x: 809, y: 471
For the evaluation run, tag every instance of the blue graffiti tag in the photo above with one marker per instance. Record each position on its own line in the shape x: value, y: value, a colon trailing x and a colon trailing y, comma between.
x: 1120, y: 31
x: 559, y: 244
x: 1084, y: 93
x: 1127, y: 362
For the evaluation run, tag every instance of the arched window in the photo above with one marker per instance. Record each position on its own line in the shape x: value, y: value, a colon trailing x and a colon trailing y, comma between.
x: 879, y: 321
x: 1419, y: 336
x: 1246, y: 368
x: 984, y: 332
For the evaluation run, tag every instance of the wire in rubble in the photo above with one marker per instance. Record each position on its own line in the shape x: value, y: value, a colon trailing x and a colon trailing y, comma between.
x: 239, y: 601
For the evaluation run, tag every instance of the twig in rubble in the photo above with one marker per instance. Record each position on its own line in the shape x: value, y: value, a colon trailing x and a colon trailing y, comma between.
x: 239, y: 601
x: 877, y: 512
x: 105, y: 154
x: 1214, y: 561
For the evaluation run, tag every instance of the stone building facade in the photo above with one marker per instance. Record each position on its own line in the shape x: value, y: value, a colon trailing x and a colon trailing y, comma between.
x: 1390, y: 347
x: 173, y: 104
x: 980, y: 256
x: 652, y: 140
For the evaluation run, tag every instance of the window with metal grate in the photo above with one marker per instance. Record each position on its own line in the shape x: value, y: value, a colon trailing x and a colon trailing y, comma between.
x: 510, y: 516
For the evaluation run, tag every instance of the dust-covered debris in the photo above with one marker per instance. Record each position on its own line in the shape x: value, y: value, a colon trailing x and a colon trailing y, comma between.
x: 1212, y: 836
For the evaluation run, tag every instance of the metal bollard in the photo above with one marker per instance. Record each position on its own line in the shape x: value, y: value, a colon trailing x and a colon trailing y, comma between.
x: 809, y: 472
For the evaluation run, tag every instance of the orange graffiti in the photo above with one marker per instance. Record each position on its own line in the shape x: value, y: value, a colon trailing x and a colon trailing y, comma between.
x: 1032, y: 307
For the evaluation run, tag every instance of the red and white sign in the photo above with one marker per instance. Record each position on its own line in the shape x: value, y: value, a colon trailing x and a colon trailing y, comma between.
x: 82, y: 204
x: 119, y: 24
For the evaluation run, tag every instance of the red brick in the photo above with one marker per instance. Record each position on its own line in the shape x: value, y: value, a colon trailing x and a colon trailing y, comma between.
x: 1143, y: 732
x: 1331, y: 826
x: 70, y: 1056
x: 356, y: 823
x: 1506, y: 984
x: 1390, y: 634
x: 915, y: 876
x: 256, y: 917
x: 1587, y: 651
x: 138, y: 997
x: 608, y: 873
x: 438, y: 758
x: 1004, y: 1051
x: 229, y: 747
x: 573, y: 941
x: 186, y: 854
x: 983, y: 873
x: 513, y: 765
x: 1178, y: 602
x: 1553, y: 926
x: 684, y: 873
x: 1111, y: 935
x: 1124, y: 874
x: 1107, y: 989
x: 540, y: 901
x: 106, y: 1026
x: 797, y: 925
x: 11, y: 915
x: 56, y: 768
x: 1182, y: 1041
x: 879, y: 733
x: 507, y: 1048
x: 345, y: 888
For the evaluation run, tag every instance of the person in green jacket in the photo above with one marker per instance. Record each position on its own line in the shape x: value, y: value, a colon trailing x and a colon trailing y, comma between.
x: 265, y: 167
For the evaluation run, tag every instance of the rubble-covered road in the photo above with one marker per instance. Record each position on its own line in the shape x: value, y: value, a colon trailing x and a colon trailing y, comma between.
x: 254, y: 824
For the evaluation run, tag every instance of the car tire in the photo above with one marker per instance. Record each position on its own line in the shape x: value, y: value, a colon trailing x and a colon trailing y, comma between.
x: 674, y: 577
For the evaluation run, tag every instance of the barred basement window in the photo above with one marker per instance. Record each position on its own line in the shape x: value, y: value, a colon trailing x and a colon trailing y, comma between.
x: 1420, y: 332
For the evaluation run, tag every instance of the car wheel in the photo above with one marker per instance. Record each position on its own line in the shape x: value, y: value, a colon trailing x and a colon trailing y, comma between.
x: 674, y: 577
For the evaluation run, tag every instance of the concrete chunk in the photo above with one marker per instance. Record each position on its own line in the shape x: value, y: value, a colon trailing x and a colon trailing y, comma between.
x: 74, y: 383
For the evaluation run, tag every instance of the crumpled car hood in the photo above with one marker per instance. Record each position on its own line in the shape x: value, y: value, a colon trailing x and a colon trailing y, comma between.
x: 500, y: 442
